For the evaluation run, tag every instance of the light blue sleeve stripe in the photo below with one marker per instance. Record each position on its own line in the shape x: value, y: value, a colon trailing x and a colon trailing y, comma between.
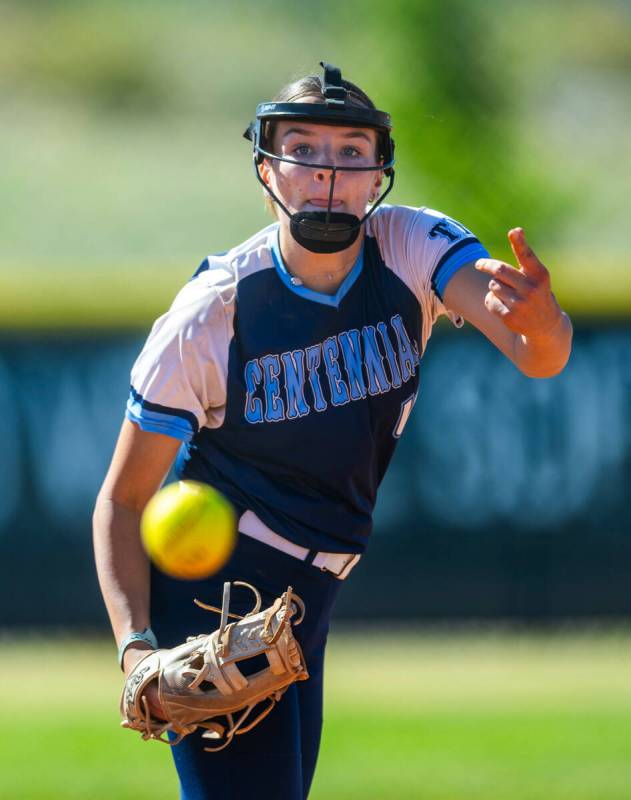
x: 449, y: 268
x: 156, y: 422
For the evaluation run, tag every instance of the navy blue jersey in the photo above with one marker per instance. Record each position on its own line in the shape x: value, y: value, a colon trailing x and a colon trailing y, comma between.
x: 290, y: 401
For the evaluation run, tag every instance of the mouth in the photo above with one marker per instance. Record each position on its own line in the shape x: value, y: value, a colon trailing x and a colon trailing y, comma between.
x: 323, y: 203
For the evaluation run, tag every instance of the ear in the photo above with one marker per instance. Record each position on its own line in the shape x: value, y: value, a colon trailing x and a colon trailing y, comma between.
x: 265, y: 169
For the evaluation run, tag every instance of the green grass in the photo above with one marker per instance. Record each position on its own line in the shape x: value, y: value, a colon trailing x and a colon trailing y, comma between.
x: 430, y: 716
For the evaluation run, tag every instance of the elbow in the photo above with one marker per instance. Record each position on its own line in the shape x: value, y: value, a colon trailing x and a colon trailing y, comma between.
x: 101, y: 501
x: 551, y: 359
x: 543, y: 371
x: 545, y: 368
x: 98, y: 515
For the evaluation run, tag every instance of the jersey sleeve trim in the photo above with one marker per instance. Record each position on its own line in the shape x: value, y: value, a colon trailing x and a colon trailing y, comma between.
x: 462, y: 253
x: 175, y: 422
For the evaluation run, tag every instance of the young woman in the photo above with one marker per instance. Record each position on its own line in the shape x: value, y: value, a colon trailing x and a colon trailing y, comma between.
x: 283, y: 375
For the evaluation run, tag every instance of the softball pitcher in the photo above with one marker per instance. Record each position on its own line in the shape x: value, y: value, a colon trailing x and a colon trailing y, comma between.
x: 283, y: 375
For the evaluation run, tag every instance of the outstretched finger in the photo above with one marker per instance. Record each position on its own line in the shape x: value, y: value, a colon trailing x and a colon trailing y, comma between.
x: 525, y: 255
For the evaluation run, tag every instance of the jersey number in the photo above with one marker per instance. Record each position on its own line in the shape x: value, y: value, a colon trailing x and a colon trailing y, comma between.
x: 406, y: 409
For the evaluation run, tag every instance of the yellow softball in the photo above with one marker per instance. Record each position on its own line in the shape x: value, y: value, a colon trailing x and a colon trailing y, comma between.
x: 188, y: 530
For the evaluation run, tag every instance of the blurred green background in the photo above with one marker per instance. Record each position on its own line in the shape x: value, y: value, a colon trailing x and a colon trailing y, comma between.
x: 124, y: 164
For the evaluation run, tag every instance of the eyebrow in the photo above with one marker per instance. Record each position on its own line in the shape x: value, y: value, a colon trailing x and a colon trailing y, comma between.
x: 349, y: 135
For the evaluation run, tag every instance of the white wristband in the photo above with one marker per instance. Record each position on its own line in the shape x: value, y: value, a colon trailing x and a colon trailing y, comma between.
x: 147, y: 636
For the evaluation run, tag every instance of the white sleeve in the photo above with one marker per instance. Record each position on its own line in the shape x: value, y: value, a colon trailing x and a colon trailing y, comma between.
x: 179, y: 378
x: 425, y: 248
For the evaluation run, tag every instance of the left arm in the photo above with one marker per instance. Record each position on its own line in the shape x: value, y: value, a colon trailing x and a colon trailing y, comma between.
x: 516, y: 310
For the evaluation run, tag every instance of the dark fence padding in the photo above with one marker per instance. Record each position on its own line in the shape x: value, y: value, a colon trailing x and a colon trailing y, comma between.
x: 507, y: 497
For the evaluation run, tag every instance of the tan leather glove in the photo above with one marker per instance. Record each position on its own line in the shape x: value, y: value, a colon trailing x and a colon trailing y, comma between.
x: 200, y: 681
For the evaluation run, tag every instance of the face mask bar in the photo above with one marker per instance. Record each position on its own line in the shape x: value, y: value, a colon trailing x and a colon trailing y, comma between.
x: 333, y: 169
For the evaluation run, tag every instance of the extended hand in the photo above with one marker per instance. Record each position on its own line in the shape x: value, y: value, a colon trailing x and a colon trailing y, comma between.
x: 522, y: 297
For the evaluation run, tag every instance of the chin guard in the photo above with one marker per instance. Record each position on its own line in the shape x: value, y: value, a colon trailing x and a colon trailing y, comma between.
x: 324, y: 231
x: 321, y: 233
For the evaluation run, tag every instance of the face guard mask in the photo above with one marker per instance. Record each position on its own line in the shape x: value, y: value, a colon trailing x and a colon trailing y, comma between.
x: 324, y: 231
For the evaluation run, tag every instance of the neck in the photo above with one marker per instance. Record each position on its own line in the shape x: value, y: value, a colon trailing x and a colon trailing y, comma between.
x: 322, y: 272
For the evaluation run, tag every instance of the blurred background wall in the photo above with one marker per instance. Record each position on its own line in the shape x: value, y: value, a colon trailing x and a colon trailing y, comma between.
x: 124, y: 165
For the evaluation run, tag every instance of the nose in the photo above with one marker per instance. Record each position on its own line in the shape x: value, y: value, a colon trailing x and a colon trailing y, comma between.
x: 322, y: 175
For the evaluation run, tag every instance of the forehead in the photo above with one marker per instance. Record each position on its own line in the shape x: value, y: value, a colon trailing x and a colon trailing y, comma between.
x: 287, y: 128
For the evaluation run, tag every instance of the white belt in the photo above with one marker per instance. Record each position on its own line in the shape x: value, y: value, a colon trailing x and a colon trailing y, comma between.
x: 340, y: 564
